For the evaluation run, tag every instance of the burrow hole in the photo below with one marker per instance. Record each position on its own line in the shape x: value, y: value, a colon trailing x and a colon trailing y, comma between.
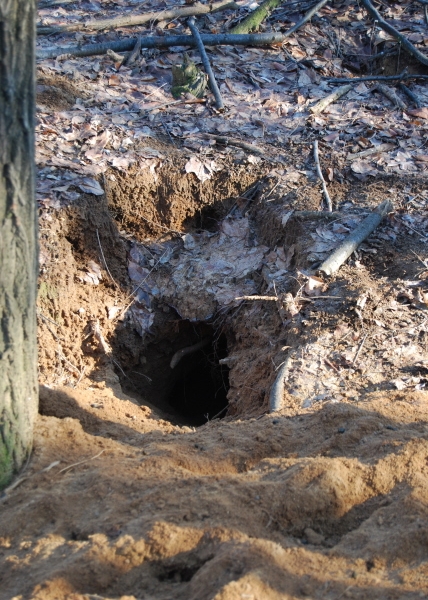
x: 194, y: 389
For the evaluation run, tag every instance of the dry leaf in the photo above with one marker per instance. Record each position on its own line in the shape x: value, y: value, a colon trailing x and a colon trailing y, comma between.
x: 90, y: 186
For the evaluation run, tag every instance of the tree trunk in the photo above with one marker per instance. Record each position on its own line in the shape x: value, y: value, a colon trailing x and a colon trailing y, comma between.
x: 18, y: 238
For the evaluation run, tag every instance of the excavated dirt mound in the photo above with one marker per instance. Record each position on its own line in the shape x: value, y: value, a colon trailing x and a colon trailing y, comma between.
x: 157, y: 470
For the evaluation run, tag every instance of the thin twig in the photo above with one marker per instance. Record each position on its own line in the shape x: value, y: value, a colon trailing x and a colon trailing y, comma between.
x: 104, y: 260
x: 81, y: 462
x: 213, y: 83
x: 360, y: 347
x: 320, y: 175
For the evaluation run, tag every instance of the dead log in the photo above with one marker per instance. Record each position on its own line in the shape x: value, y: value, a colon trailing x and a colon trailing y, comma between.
x: 351, y: 243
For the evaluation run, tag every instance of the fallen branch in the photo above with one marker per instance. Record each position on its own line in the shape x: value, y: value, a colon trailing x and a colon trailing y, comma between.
x: 276, y: 396
x: 360, y: 233
x: 390, y: 94
x: 222, y: 139
x: 402, y: 77
x: 320, y: 175
x: 386, y: 147
x: 380, y: 22
x: 226, y: 39
x: 322, y: 104
x: 410, y: 94
x: 205, y: 61
x: 188, y: 350
x: 132, y: 20
x: 253, y: 20
x: 311, y: 12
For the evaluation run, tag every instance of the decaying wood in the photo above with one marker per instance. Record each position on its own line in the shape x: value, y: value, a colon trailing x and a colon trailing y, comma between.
x: 322, y: 104
x: 320, y: 175
x: 222, y: 39
x: 351, y: 243
x: 207, y: 66
x: 380, y: 22
x: 276, y: 397
x: 410, y: 94
x: 253, y: 20
x: 133, y: 20
x: 222, y: 139
x: 390, y: 94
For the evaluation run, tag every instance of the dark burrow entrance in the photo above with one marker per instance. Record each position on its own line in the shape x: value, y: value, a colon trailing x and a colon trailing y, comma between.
x: 201, y: 381
x: 184, y: 374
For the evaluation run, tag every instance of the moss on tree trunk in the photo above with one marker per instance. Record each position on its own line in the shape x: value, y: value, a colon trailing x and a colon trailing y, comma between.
x: 18, y: 239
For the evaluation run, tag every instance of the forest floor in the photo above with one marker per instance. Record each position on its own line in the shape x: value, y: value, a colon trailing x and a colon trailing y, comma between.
x: 159, y: 473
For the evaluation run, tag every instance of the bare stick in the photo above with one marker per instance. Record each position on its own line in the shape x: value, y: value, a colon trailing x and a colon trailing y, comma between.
x: 104, y: 260
x: 360, y: 233
x: 409, y: 93
x: 390, y: 94
x: 81, y: 462
x: 380, y: 22
x: 386, y: 147
x: 402, y: 77
x: 222, y: 139
x: 132, y: 20
x: 276, y: 397
x: 322, y: 104
x: 225, y: 39
x: 360, y: 347
x: 268, y: 298
x: 189, y: 350
x: 134, y: 54
x: 311, y: 12
x: 320, y: 175
x: 213, y: 83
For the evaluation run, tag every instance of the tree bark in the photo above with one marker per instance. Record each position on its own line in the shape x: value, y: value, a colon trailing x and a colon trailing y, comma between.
x: 18, y: 238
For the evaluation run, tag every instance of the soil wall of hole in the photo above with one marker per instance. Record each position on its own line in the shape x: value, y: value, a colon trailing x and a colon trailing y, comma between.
x: 147, y: 205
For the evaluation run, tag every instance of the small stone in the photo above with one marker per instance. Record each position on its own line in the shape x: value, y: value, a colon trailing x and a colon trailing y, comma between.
x: 341, y: 430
